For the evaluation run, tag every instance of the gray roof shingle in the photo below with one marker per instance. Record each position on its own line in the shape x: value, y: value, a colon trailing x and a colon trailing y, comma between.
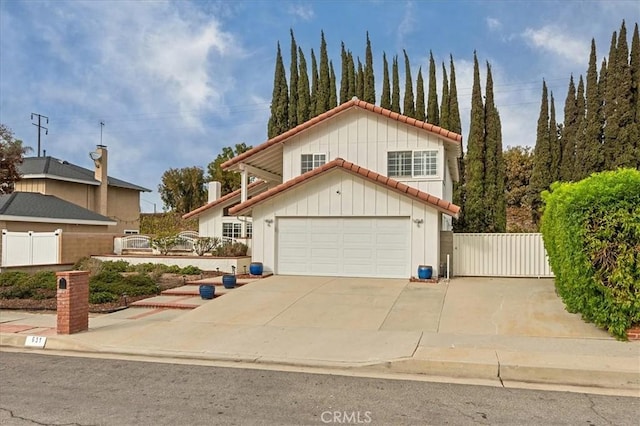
x: 63, y: 170
x: 39, y: 206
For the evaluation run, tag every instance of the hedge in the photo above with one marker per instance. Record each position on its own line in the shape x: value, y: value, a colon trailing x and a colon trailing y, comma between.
x: 591, y: 231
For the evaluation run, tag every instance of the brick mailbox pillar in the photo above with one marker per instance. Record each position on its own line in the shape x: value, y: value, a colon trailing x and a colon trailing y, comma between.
x: 72, y: 301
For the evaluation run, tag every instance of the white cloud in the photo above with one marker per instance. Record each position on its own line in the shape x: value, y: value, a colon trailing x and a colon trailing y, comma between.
x: 408, y: 23
x: 494, y: 24
x: 302, y: 11
x: 552, y: 39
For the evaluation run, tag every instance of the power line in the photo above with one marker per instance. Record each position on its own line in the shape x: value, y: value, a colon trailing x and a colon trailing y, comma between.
x: 40, y: 127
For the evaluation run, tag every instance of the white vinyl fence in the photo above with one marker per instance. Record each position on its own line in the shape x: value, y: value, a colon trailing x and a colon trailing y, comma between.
x: 500, y: 255
x: 30, y: 248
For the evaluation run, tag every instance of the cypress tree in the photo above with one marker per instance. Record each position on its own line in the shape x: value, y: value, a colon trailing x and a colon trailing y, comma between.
x: 314, y: 86
x: 333, y: 98
x: 344, y: 78
x: 455, y: 125
x: 395, y: 94
x: 304, y: 96
x: 420, y: 108
x: 360, y: 81
x: 444, y: 105
x: 475, y: 160
x: 634, y: 70
x: 569, y: 132
x: 433, y: 115
x: 324, y: 79
x: 610, y: 110
x: 624, y: 145
x: 369, y: 91
x: 581, y: 108
x: 278, y: 122
x: 385, y: 99
x: 588, y: 143
x: 293, y: 84
x: 495, y: 203
x: 555, y: 150
x: 409, y: 105
x: 540, y: 176
x: 352, y: 76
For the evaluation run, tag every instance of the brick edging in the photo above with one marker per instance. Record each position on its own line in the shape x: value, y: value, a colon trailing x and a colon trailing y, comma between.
x: 634, y: 333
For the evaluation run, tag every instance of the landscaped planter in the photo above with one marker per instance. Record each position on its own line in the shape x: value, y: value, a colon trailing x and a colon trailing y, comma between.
x: 255, y: 268
x: 229, y: 281
x: 207, y: 291
x: 425, y: 272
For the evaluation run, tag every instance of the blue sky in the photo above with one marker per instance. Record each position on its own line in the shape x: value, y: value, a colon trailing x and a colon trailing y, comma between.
x: 174, y: 82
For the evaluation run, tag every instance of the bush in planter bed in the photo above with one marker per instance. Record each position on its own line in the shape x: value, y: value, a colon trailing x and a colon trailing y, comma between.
x: 21, y: 285
x: 117, y: 284
x: 591, y: 231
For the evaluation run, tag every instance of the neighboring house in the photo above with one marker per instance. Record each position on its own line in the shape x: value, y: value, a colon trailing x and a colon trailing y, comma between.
x: 357, y: 191
x: 113, y: 204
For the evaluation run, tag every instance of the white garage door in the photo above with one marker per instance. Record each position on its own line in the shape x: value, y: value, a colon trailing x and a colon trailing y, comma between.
x: 346, y: 247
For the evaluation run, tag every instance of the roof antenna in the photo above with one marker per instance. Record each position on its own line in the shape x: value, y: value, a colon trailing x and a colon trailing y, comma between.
x: 101, y: 127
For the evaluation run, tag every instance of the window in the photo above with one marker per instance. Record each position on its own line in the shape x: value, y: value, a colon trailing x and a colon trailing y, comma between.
x: 412, y: 163
x: 249, y: 229
x: 311, y: 161
x: 232, y: 230
x: 131, y: 232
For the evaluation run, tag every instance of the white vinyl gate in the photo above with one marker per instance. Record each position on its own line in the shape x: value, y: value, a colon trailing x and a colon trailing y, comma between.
x: 30, y: 248
x: 500, y: 255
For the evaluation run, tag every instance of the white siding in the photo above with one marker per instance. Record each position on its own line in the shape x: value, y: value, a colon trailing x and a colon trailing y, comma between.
x: 341, y: 194
x: 364, y: 138
x: 500, y: 255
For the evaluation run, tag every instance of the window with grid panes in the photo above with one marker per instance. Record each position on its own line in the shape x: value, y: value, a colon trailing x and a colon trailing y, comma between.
x: 311, y: 161
x: 412, y: 163
x: 232, y: 230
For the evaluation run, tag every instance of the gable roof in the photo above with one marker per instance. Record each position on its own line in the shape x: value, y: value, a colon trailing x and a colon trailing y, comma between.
x: 340, y: 164
x: 53, y: 168
x: 253, y: 187
x: 452, y: 138
x: 36, y: 207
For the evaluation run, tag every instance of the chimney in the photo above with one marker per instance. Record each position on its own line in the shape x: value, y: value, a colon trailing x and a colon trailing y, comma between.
x: 101, y: 176
x: 215, y: 188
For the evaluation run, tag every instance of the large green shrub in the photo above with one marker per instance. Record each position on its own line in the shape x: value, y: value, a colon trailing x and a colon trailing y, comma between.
x: 21, y: 285
x: 591, y: 231
x: 117, y: 284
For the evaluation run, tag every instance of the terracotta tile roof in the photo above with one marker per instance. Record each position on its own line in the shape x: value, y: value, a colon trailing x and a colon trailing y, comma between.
x: 225, y: 198
x: 355, y: 102
x: 441, y: 205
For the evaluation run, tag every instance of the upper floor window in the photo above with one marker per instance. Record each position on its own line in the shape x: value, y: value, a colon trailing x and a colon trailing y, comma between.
x: 231, y: 230
x: 311, y: 161
x: 249, y: 229
x: 412, y: 163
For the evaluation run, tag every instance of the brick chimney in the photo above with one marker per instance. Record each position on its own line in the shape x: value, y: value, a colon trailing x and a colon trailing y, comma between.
x: 101, y: 162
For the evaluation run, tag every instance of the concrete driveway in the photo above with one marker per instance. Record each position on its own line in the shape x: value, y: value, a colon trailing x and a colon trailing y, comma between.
x: 470, y: 306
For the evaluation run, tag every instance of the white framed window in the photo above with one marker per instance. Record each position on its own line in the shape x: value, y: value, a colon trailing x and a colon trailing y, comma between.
x: 231, y: 230
x: 131, y: 232
x: 309, y: 162
x: 249, y: 230
x: 412, y: 163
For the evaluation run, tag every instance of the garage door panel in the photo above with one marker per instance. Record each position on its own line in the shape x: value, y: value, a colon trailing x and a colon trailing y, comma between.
x: 344, y: 246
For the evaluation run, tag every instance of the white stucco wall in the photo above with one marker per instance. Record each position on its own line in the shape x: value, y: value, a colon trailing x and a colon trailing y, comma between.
x: 339, y: 193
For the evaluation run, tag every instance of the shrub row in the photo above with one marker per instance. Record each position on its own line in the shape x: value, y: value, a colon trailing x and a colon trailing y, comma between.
x: 591, y: 231
x: 21, y: 285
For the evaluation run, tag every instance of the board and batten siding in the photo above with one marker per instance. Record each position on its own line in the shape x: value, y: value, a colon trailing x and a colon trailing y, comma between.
x: 341, y: 194
x: 500, y: 255
x: 364, y: 139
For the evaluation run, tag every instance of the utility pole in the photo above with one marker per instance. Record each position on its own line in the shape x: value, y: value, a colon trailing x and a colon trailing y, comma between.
x: 40, y: 127
x: 101, y: 127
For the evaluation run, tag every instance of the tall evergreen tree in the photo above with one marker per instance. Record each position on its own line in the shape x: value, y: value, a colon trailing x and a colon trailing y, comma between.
x: 610, y: 111
x: 475, y: 160
x: 293, y: 84
x: 344, y: 78
x: 421, y: 113
x: 588, y: 144
x: 569, y: 132
x: 279, y: 120
x: 369, y: 92
x: 304, y: 95
x: 581, y: 107
x: 395, y: 93
x: 455, y: 125
x: 324, y: 79
x: 385, y: 99
x: 444, y: 105
x: 540, y: 176
x: 333, y: 98
x: 314, y: 85
x: 409, y: 105
x: 634, y: 70
x: 433, y: 115
x: 495, y: 205
x: 352, y: 76
x: 624, y: 145
x: 360, y: 81
x: 555, y: 149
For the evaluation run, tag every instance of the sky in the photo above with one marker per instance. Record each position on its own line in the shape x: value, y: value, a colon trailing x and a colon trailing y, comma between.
x: 173, y: 82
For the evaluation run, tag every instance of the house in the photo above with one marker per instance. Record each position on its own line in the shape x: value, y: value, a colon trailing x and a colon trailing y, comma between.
x: 74, y: 199
x: 357, y: 191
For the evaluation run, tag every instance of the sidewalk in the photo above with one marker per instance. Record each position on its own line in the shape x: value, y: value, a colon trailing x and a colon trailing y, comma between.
x: 498, y: 330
